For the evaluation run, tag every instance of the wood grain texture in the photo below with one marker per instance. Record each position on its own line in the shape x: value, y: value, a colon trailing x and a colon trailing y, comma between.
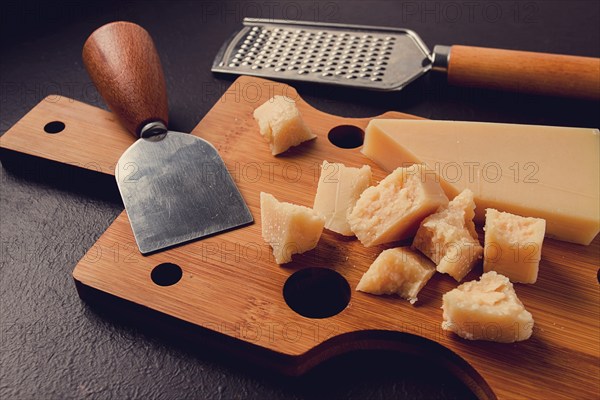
x: 526, y: 72
x: 232, y: 286
x: 122, y: 61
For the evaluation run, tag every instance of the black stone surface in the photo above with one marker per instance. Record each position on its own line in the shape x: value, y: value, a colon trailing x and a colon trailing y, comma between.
x: 54, y: 346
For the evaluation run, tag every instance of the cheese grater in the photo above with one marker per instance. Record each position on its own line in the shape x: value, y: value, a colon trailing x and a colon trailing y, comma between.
x: 346, y: 55
x: 388, y: 59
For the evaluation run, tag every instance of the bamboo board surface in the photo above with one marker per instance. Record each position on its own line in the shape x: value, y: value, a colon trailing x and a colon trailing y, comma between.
x: 232, y: 286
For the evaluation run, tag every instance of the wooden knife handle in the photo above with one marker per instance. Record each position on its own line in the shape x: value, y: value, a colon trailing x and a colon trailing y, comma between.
x: 124, y: 65
x: 526, y: 72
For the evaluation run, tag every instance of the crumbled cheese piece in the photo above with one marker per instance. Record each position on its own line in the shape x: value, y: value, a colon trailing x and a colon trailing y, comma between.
x: 288, y: 228
x: 281, y: 124
x: 513, y: 245
x: 394, y: 209
x: 449, y: 239
x: 488, y: 309
x: 400, y: 271
x: 339, y: 189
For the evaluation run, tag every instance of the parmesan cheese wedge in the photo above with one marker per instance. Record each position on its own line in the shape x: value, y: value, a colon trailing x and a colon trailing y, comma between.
x: 400, y: 271
x: 487, y: 309
x: 394, y: 209
x: 288, y: 228
x: 449, y: 239
x: 281, y: 124
x: 544, y: 172
x: 339, y: 189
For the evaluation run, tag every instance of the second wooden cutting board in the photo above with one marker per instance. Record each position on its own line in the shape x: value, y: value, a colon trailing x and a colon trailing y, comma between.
x: 231, y: 285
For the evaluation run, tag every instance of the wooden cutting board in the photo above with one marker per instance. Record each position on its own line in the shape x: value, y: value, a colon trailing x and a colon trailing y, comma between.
x: 231, y: 285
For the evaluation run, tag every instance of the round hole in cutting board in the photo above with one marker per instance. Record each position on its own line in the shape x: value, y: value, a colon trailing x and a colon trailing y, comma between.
x: 316, y: 292
x: 166, y: 274
x: 54, y: 127
x: 346, y: 136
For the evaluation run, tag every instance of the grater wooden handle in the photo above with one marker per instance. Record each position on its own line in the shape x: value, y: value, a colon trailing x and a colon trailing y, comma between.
x: 526, y: 72
x: 124, y: 65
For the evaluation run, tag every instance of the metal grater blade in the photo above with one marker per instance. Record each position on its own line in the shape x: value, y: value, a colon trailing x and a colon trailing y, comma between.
x: 356, y: 56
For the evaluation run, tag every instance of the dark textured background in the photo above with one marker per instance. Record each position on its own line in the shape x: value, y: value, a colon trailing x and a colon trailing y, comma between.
x: 54, y: 346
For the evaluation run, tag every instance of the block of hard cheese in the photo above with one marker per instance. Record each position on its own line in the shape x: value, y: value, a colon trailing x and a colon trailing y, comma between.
x: 281, y: 124
x: 513, y: 245
x: 487, y: 309
x: 449, y: 239
x: 288, y: 228
x: 394, y: 208
x: 536, y: 171
x: 339, y: 188
x: 400, y: 271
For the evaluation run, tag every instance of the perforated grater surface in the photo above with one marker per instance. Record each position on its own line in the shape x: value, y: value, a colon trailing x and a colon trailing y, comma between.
x: 346, y: 55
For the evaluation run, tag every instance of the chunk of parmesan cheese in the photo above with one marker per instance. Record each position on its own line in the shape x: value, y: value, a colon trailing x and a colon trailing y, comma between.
x: 281, y: 124
x: 288, y: 228
x: 339, y: 189
x: 394, y: 209
x: 400, y: 271
x: 488, y: 309
x: 449, y: 239
x: 513, y: 245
